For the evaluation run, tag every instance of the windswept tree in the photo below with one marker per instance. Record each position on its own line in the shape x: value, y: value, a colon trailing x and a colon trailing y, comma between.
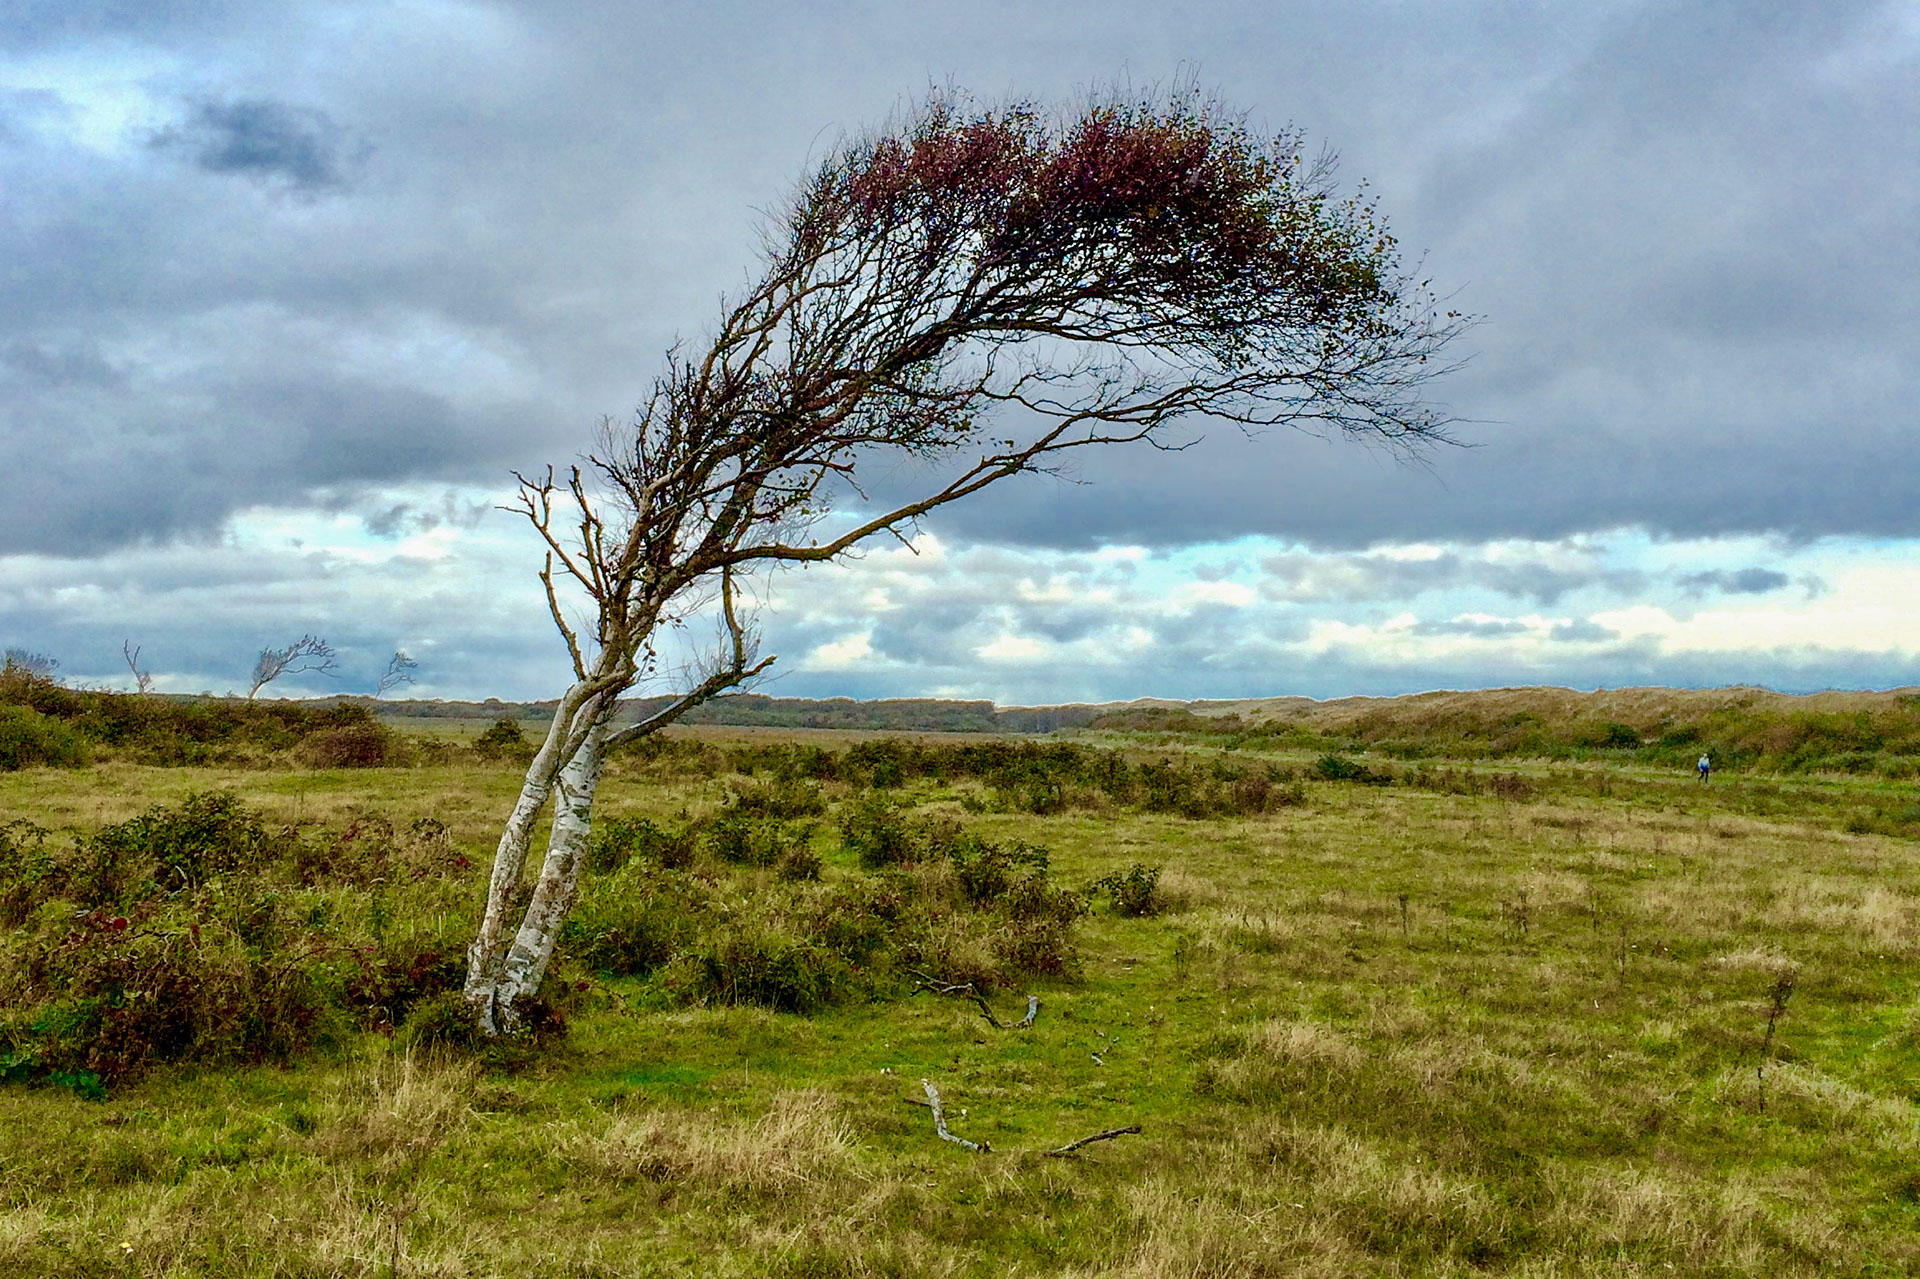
x: 24, y: 661
x: 400, y: 669
x: 978, y: 292
x: 308, y: 654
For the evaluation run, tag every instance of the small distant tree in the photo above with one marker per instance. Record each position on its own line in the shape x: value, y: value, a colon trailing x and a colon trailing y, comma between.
x: 399, y: 671
x: 142, y: 678
x: 21, y: 661
x: 974, y: 293
x: 307, y: 654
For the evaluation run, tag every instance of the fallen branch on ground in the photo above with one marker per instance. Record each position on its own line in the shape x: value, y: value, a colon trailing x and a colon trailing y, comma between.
x: 1068, y: 1151
x: 940, y: 1122
x: 967, y: 990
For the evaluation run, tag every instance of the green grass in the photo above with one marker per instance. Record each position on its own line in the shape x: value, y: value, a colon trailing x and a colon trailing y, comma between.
x: 1391, y: 1030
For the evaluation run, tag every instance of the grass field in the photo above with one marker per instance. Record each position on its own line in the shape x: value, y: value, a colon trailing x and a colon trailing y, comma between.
x: 1556, y: 1019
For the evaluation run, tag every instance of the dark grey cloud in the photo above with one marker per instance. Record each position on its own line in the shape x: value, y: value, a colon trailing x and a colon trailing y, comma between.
x: 1688, y: 229
x: 1329, y: 577
x: 1582, y: 631
x: 75, y: 486
x: 263, y: 139
x: 1745, y: 581
x: 402, y: 519
x: 30, y: 25
x: 1491, y: 629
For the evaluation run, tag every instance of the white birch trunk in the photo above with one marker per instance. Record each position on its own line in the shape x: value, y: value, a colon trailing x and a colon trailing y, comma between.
x: 498, y: 973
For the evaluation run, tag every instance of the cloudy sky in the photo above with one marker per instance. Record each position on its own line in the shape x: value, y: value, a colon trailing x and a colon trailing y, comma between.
x: 288, y: 290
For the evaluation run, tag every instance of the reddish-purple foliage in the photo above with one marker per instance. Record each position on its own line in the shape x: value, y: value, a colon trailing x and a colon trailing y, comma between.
x: 1204, y: 211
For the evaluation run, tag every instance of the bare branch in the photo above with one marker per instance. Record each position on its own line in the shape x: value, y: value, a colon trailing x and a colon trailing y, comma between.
x: 142, y: 678
x: 940, y: 1123
x: 1067, y: 1151
x: 967, y: 990
x: 738, y: 668
x: 309, y: 653
x: 560, y: 620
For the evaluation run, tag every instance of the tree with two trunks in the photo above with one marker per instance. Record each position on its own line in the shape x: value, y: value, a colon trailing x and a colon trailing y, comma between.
x: 981, y: 292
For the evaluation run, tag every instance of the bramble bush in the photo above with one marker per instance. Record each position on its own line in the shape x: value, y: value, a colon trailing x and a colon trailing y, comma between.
x: 29, y: 739
x: 366, y: 744
x: 617, y: 841
x: 936, y: 897
x: 1133, y: 891
x: 199, y: 933
x: 873, y: 830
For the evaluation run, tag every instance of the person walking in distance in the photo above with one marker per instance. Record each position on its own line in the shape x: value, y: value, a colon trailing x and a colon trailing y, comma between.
x: 1704, y: 767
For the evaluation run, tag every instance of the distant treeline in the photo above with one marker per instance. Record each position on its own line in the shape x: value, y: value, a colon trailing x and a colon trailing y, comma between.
x: 1825, y: 732
x: 906, y: 714
x: 755, y: 710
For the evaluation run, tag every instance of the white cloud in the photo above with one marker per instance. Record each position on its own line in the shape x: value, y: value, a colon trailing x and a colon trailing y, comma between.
x: 1012, y: 648
x: 852, y: 650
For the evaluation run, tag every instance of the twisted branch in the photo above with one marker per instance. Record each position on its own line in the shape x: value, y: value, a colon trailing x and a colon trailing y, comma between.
x: 967, y: 990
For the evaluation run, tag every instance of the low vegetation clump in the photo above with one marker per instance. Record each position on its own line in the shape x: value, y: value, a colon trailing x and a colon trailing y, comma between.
x: 199, y: 933
x: 920, y: 896
x: 62, y: 726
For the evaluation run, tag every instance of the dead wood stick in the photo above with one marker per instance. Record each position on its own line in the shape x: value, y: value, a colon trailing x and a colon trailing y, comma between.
x: 967, y: 990
x: 1066, y: 1151
x: 940, y: 1122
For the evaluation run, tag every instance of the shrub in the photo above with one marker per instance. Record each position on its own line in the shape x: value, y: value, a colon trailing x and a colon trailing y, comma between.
x: 741, y: 840
x: 128, y: 999
x: 860, y: 918
x: 1613, y: 735
x: 1132, y: 890
x: 1166, y: 788
x: 1040, y: 796
x: 208, y: 834
x: 784, y: 798
x: 756, y: 965
x: 986, y: 871
x: 395, y: 977
x: 620, y: 840
x: 1338, y: 768
x: 28, y: 738
x: 1032, y: 898
x: 199, y: 939
x: 882, y: 762
x: 363, y: 745
x: 371, y: 851
x: 445, y: 1021
x: 1038, y: 947
x: 504, y: 740
x: 635, y: 920
x: 26, y: 868
x: 1511, y: 786
x: 872, y: 829
x: 800, y: 863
